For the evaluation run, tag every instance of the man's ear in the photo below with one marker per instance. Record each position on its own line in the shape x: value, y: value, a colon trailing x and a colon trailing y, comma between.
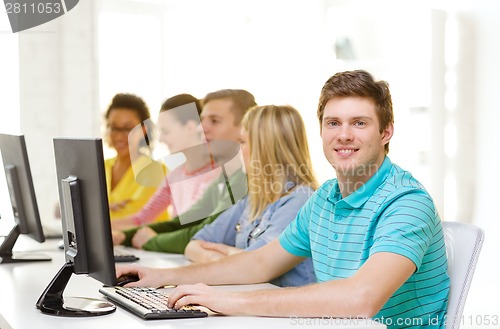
x: 387, y: 133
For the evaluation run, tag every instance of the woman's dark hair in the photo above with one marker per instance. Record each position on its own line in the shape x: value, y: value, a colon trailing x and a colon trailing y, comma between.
x: 129, y: 102
x: 136, y: 104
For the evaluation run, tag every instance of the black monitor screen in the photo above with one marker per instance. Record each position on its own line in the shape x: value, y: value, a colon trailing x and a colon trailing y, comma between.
x: 22, y: 197
x: 88, y: 244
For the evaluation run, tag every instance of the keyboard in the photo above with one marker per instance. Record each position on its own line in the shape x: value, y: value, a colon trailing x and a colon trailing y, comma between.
x: 123, y: 257
x: 148, y: 303
x: 120, y: 256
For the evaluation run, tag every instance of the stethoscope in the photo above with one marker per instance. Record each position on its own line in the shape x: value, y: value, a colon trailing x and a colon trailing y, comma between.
x: 257, y: 230
x: 254, y: 233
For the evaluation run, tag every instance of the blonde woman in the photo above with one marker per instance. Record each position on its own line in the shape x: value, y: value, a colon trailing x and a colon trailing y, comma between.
x: 280, y: 180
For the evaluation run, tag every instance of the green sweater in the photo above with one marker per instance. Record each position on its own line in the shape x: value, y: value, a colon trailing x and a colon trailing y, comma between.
x: 174, y: 235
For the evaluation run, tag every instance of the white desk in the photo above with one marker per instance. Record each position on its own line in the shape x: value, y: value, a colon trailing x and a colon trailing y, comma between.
x: 22, y: 285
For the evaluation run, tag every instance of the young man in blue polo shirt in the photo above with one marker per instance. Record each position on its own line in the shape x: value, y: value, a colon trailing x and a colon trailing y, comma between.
x: 373, y: 233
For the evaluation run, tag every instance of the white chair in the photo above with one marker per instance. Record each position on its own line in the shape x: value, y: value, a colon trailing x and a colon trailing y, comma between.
x: 463, y: 245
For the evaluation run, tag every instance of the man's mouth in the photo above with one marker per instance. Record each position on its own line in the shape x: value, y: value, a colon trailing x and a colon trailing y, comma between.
x: 345, y: 151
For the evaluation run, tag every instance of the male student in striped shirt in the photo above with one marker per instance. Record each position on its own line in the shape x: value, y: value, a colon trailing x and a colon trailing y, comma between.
x: 373, y: 233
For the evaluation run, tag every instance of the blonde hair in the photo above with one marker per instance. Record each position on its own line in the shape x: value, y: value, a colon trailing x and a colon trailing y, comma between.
x: 279, y: 153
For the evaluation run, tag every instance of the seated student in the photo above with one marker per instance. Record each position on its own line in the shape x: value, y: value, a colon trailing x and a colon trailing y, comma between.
x: 280, y: 180
x: 374, y: 234
x: 179, y: 130
x: 126, y: 193
x: 221, y: 122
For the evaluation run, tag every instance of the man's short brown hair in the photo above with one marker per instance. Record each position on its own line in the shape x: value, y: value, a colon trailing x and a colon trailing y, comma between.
x: 359, y: 83
x: 242, y: 101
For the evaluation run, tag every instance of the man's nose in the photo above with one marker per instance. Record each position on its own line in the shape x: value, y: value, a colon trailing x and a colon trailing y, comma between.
x: 205, y: 127
x: 345, y: 133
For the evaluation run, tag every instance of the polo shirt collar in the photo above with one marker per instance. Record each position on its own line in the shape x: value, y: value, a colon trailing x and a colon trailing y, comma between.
x: 361, y: 195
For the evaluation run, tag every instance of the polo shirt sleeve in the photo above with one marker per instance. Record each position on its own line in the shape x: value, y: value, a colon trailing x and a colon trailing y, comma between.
x: 223, y: 229
x: 295, y: 238
x: 407, y: 226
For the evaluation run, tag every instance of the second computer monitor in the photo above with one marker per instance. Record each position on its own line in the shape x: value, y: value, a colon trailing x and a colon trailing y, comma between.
x: 88, y: 245
x: 22, y: 198
x: 84, y: 204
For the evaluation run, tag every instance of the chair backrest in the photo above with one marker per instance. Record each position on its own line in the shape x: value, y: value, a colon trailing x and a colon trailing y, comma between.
x: 463, y: 245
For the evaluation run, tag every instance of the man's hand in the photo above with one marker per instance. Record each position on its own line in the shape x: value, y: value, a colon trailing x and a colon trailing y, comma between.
x: 118, y: 237
x: 142, y: 236
x: 148, y: 277
x: 217, y: 300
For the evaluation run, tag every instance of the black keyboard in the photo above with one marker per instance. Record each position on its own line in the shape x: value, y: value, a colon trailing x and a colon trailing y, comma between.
x: 148, y: 303
x: 121, y: 257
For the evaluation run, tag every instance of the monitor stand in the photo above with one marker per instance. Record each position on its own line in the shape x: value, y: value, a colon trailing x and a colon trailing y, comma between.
x: 52, y: 302
x: 6, y: 255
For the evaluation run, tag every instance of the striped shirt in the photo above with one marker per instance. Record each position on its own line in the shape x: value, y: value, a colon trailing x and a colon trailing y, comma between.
x: 180, y: 189
x: 392, y: 212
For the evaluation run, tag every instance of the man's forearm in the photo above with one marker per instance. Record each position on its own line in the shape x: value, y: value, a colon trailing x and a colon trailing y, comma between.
x: 328, y: 299
x: 222, y: 271
x: 176, y: 240
x: 167, y: 226
x: 361, y: 295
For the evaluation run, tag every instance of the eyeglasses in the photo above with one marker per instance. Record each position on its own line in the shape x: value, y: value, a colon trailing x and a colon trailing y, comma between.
x: 119, y: 130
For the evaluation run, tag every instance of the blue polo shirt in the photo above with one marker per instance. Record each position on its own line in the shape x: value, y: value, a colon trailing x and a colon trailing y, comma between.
x: 392, y: 212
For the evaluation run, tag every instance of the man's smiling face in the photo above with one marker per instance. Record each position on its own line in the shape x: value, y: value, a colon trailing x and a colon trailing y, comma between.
x: 352, y: 141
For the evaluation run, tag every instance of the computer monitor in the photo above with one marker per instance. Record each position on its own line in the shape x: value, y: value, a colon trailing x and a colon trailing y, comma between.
x: 88, y: 244
x: 23, y: 200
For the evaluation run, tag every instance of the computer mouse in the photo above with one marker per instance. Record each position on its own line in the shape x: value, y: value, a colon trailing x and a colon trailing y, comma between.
x: 124, y: 279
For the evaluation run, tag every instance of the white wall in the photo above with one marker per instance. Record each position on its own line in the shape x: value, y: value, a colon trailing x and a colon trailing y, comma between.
x: 486, y: 15
x: 59, y: 85
x: 58, y: 89
x: 486, y: 111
